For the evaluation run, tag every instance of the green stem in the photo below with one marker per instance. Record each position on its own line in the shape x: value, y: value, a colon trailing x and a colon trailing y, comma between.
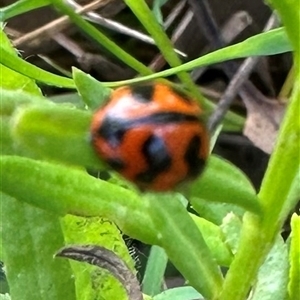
x: 99, y: 37
x: 258, y: 234
x: 146, y: 17
x: 278, y: 188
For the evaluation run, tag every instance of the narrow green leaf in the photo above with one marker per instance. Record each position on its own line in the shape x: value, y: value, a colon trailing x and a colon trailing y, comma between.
x: 10, y: 79
x: 294, y: 258
x: 20, y: 7
x: 231, y: 228
x: 272, y: 278
x: 23, y: 67
x: 66, y: 190
x: 92, y: 91
x: 188, y: 252
x: 179, y: 293
x: 157, y: 4
x: 30, y: 239
x: 223, y: 182
x: 155, y: 271
x: 268, y: 43
x: 215, y: 240
x: 164, y: 44
x: 290, y: 16
x: 55, y: 132
x: 215, y: 211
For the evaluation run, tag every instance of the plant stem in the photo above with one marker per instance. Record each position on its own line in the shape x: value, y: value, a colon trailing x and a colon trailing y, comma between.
x: 258, y: 234
x: 146, y: 17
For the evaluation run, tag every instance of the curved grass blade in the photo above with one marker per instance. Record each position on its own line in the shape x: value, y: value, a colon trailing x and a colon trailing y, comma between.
x: 222, y: 182
x: 23, y: 67
x: 20, y: 7
x: 268, y: 43
x: 155, y: 271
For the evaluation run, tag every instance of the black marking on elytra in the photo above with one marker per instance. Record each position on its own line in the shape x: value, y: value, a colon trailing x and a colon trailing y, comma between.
x: 143, y: 93
x: 116, y: 163
x: 194, y: 161
x: 157, y: 157
x: 112, y: 130
x: 182, y: 94
x: 166, y: 118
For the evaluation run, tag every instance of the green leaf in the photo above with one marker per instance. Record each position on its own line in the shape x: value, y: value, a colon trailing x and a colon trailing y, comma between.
x: 21, y: 66
x: 66, y: 190
x: 155, y: 271
x: 188, y: 252
x: 294, y: 258
x: 179, y: 293
x: 71, y: 98
x: 90, y: 281
x: 55, y: 132
x: 215, y: 240
x: 30, y: 236
x: 30, y: 239
x: 92, y: 91
x: 222, y: 182
x: 272, y: 278
x: 6, y: 143
x: 231, y: 228
x: 268, y: 43
x: 10, y: 101
x: 291, y: 20
x: 142, y: 11
x: 157, y: 4
x: 20, y: 7
x: 214, y: 211
x: 8, y: 78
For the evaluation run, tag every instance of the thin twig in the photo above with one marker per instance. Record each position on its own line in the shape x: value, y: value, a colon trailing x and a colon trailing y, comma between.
x: 206, y: 22
x: 231, y: 29
x: 236, y: 83
x: 55, y: 26
x: 113, y: 25
x: 158, y: 62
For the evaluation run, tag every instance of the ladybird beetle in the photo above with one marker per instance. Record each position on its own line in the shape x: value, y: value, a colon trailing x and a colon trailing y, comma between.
x: 151, y: 134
